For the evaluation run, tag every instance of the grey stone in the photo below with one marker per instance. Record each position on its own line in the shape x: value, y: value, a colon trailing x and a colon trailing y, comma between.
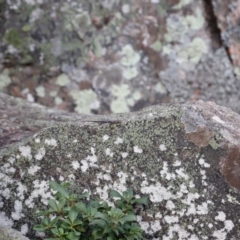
x: 184, y: 157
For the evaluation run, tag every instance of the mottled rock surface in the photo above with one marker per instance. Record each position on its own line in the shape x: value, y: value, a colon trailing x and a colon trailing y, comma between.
x: 184, y: 157
x: 114, y: 56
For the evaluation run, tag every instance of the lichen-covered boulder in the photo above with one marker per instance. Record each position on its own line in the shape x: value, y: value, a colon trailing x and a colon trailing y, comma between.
x: 184, y: 157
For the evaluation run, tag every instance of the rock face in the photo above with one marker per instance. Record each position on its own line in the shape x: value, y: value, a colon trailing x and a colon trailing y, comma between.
x: 120, y: 56
x: 184, y: 157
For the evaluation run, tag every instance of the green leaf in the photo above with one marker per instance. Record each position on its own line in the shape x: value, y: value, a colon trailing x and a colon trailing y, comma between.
x: 102, y: 216
x: 55, y: 231
x: 46, y: 221
x: 39, y: 228
x: 98, y: 222
x: 42, y: 213
x: 116, y: 194
x: 56, y: 187
x: 54, y: 238
x: 128, y: 195
x: 81, y: 206
x: 53, y: 204
x: 67, y: 221
x: 129, y: 218
x: 97, y: 233
x: 120, y: 204
x: 61, y: 204
x: 80, y: 228
x: 143, y: 200
x: 73, y: 235
x: 73, y: 215
x: 84, y: 195
x: 54, y: 221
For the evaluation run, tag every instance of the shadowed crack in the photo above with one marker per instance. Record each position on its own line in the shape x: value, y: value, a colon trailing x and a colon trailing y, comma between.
x: 212, y: 24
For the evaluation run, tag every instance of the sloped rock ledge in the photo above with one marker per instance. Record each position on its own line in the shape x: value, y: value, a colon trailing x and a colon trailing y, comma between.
x: 184, y: 157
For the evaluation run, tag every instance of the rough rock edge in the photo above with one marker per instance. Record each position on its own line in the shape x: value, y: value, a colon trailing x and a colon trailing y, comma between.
x: 7, y: 233
x: 201, y: 121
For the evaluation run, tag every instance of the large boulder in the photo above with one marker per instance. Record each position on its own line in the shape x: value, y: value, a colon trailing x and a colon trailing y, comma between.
x: 184, y: 157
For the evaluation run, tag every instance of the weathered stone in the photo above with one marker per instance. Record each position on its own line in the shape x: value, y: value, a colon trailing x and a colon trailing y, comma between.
x: 184, y: 157
x: 120, y: 56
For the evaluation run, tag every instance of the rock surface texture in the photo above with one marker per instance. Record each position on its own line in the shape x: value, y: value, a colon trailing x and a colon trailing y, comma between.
x: 114, y: 56
x: 184, y: 157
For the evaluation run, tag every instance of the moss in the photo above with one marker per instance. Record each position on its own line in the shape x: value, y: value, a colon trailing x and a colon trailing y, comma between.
x: 13, y: 37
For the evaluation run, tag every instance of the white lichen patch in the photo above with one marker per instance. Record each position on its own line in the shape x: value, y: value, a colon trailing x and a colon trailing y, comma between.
x: 118, y: 141
x: 25, y: 151
x: 162, y: 147
x: 89, y: 161
x: 221, y: 216
x: 24, y: 229
x: 18, y: 210
x: 108, y: 152
x: 157, y: 192
x: 40, y: 154
x: 136, y: 149
x: 75, y: 165
x: 5, y: 221
x: 105, y: 138
x: 33, y: 169
x: 40, y: 189
x: 124, y: 154
x: 218, y: 119
x: 37, y: 140
x: 51, y: 142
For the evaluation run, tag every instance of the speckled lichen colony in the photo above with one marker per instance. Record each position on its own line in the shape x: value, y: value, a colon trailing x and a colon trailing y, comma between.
x: 150, y: 154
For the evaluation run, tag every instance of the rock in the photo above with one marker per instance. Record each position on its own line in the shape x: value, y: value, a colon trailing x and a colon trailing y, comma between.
x: 120, y: 56
x: 11, y: 234
x: 184, y: 157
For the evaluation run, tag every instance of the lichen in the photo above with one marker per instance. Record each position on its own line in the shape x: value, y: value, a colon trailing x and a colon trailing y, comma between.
x: 40, y: 91
x: 85, y: 100
x: 63, y: 80
x: 4, y: 79
x: 129, y: 60
x: 194, y: 51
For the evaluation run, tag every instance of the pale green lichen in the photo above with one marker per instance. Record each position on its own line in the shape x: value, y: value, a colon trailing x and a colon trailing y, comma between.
x: 177, y: 28
x: 160, y: 88
x: 63, y: 80
x: 77, y: 22
x: 181, y: 4
x: 129, y: 56
x: 157, y: 46
x: 40, y: 91
x: 196, y: 22
x: 121, y: 91
x: 119, y: 105
x: 53, y: 93
x: 58, y: 100
x: 98, y: 51
x: 4, y: 79
x: 134, y: 97
x: 237, y: 71
x: 85, y: 100
x: 130, y: 72
x: 194, y: 51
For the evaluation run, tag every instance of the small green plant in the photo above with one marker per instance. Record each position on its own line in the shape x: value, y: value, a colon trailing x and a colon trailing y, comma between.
x: 69, y: 218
